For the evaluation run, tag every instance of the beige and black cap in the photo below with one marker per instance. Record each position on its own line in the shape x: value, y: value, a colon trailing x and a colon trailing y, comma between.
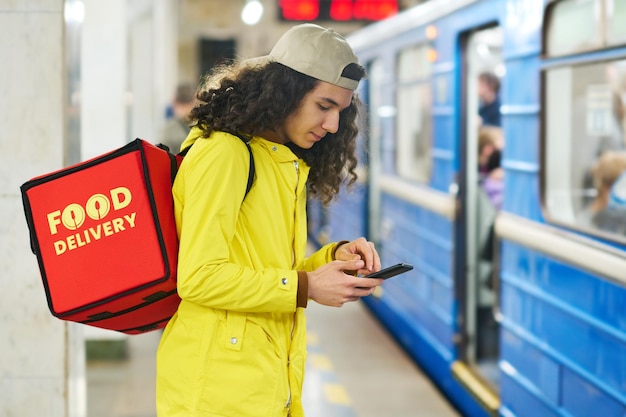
x: 314, y: 51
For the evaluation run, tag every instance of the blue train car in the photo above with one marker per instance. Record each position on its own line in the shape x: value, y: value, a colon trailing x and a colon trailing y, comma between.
x: 516, y: 225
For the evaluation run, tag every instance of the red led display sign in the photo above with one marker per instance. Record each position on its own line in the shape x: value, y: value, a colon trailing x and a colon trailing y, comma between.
x: 337, y: 10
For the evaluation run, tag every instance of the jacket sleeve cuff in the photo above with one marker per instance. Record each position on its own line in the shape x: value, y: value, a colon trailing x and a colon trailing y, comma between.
x: 303, y: 289
x: 341, y: 242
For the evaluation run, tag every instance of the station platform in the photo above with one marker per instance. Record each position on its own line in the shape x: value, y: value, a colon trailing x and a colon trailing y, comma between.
x: 354, y: 369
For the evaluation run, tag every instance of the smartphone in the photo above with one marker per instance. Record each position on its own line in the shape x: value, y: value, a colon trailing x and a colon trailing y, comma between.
x: 391, y: 271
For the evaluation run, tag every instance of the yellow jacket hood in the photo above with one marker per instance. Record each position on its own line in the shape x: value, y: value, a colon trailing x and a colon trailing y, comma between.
x: 191, y: 138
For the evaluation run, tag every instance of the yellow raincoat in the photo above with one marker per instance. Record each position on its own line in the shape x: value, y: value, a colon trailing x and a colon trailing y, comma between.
x: 237, y: 345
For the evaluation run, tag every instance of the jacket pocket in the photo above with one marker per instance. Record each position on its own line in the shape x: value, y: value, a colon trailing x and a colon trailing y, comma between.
x: 244, y: 376
x: 235, y: 326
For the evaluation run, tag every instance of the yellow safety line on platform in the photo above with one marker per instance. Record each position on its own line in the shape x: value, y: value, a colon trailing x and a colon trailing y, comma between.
x: 336, y: 394
x: 312, y: 338
x: 320, y: 362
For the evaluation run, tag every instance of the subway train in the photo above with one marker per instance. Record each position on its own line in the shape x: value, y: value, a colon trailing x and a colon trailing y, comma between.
x: 516, y: 305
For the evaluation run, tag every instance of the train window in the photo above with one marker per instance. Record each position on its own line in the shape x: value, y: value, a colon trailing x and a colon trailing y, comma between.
x: 570, y: 29
x: 616, y: 28
x: 574, y: 26
x: 413, y: 151
x: 586, y: 146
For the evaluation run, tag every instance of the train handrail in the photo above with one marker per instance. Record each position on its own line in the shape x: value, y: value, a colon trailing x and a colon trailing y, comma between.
x: 433, y: 200
x: 566, y: 246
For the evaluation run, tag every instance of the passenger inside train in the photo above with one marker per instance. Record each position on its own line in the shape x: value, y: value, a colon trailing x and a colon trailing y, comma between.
x: 491, y: 174
x: 599, y: 214
x: 489, y: 199
x: 489, y: 95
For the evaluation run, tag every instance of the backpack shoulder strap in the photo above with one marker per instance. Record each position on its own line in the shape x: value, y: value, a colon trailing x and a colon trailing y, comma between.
x: 251, y: 171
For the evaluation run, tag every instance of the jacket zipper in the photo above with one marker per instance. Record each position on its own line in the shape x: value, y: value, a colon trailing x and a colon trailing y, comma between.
x: 293, y: 243
x: 293, y: 261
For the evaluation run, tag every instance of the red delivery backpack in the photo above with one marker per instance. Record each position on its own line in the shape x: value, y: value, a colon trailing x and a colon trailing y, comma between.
x: 105, y: 238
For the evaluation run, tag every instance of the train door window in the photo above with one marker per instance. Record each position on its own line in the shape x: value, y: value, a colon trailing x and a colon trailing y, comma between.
x: 414, y: 143
x: 585, y: 128
x: 375, y: 102
x: 483, y: 181
x: 377, y: 111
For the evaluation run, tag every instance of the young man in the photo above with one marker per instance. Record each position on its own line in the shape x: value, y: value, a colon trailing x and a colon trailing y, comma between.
x: 237, y: 345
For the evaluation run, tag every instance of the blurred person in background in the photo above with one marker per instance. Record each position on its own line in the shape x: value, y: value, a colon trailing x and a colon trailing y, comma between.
x: 607, y: 211
x: 489, y: 99
x: 176, y: 127
x: 491, y: 174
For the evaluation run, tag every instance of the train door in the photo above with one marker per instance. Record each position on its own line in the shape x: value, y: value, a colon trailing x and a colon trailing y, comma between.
x: 481, y: 179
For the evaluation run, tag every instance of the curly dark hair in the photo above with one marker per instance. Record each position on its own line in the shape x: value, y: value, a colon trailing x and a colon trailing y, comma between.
x: 247, y: 100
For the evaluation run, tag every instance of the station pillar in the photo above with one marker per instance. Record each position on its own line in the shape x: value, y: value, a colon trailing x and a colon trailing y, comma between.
x: 42, y: 369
